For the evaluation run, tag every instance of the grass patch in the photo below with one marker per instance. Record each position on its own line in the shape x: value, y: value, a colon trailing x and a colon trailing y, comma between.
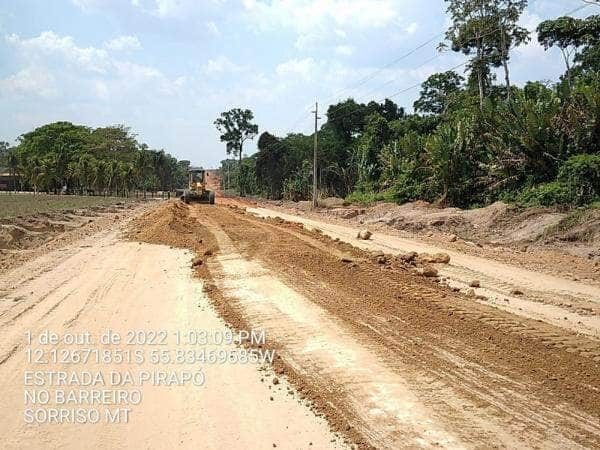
x: 367, y: 198
x: 13, y: 205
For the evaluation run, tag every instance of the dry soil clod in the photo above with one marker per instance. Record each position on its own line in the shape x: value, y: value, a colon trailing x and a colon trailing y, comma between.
x: 364, y: 235
x: 429, y: 272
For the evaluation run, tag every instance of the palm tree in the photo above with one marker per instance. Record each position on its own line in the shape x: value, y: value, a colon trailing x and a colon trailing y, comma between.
x: 142, y: 166
x: 126, y: 177
x: 100, y: 175
x: 112, y: 174
x: 84, y: 171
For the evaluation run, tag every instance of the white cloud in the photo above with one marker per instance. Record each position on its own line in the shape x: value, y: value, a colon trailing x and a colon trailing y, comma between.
x: 90, y: 69
x: 85, y: 5
x: 307, y: 15
x: 172, y: 9
x: 101, y: 90
x: 30, y: 80
x: 123, y: 43
x: 49, y: 44
x: 341, y: 34
x: 213, y: 28
x: 531, y: 51
x: 412, y: 28
x: 220, y: 64
x: 303, y: 68
x: 344, y: 50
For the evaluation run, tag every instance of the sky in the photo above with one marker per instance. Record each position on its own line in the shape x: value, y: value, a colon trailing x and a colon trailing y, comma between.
x: 168, y: 68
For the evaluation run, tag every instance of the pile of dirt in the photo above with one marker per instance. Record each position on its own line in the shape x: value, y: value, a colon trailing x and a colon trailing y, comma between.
x: 578, y: 233
x: 496, y: 223
x: 172, y: 224
x: 574, y: 233
x: 23, y: 233
x: 26, y: 237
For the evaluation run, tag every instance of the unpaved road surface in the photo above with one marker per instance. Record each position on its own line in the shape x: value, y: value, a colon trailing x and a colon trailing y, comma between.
x: 106, y: 282
x: 563, y: 302
x: 391, y: 359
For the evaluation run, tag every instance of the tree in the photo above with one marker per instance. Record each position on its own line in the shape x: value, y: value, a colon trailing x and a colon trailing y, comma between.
x: 236, y: 127
x: 377, y: 133
x: 59, y: 141
x: 564, y: 33
x: 436, y: 92
x: 114, y: 141
x: 143, y: 167
x: 472, y: 31
x: 12, y: 161
x: 347, y: 119
x: 569, y: 35
x: 270, y: 164
x: 449, y: 159
x: 508, y: 13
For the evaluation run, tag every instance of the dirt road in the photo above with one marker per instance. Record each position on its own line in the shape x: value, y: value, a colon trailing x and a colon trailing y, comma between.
x: 560, y: 301
x: 106, y: 282
x: 392, y: 359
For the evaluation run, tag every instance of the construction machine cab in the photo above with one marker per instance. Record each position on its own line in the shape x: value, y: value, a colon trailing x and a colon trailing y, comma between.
x: 196, y: 178
x: 196, y: 191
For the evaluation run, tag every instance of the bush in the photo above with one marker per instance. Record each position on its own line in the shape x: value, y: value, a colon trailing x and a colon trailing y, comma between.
x: 402, y: 191
x: 298, y: 187
x: 577, y: 184
x: 582, y: 174
x: 363, y: 198
x: 548, y: 194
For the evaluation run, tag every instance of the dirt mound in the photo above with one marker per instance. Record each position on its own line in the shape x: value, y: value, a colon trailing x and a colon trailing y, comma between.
x: 168, y: 224
x: 331, y: 202
x: 576, y: 233
x: 496, y: 223
x: 23, y: 236
x: 171, y: 224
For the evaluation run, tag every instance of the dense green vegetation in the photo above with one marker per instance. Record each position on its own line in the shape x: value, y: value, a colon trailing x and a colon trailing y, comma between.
x: 61, y: 157
x: 471, y: 140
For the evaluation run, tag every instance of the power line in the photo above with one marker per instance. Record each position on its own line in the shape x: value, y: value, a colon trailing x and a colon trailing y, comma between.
x: 440, y: 54
x: 280, y: 144
x: 381, y: 69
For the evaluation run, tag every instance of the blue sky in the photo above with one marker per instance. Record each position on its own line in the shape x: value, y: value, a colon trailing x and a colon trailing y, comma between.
x: 167, y: 68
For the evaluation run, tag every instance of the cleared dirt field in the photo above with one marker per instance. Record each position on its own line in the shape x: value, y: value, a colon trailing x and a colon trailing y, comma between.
x: 392, y: 358
x: 27, y: 204
x: 33, y: 225
x: 107, y: 283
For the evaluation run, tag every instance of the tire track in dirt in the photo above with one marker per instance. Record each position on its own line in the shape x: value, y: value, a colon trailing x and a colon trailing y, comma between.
x: 30, y: 306
x: 122, y: 286
x: 464, y: 268
x: 513, y: 389
x: 385, y: 411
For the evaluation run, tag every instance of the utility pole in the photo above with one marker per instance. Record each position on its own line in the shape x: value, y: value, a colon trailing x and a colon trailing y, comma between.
x: 315, y: 193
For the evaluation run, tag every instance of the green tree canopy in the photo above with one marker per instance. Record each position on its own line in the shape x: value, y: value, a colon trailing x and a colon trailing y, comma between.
x: 436, y: 92
x: 236, y: 127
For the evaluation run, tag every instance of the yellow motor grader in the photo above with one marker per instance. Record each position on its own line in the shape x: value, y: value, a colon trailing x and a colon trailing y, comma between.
x: 196, y: 191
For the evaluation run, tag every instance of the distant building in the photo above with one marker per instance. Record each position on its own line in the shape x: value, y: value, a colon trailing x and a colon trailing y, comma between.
x: 5, y: 179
